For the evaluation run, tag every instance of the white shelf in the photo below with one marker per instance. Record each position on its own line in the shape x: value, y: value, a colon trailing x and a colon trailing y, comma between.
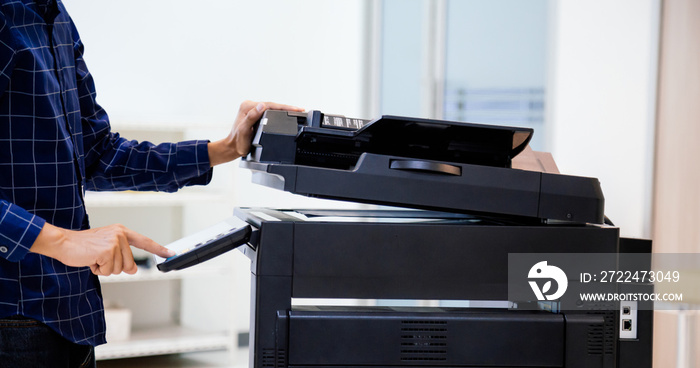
x: 164, y: 340
x: 192, y: 297
x: 130, y: 199
x: 165, y: 126
x: 152, y: 274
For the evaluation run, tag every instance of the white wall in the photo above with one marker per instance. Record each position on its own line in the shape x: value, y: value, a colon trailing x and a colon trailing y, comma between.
x: 173, y: 60
x: 602, y: 105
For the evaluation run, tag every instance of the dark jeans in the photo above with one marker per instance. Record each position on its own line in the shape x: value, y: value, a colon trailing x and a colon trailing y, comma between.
x: 27, y: 343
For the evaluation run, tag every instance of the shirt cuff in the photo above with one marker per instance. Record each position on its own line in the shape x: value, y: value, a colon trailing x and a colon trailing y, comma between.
x: 193, y: 166
x: 18, y: 231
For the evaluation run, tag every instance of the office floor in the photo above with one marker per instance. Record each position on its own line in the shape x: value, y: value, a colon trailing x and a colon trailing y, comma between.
x: 216, y: 359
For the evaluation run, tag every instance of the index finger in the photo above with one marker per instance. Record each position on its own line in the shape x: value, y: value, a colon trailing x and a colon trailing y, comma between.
x: 278, y: 106
x: 147, y: 244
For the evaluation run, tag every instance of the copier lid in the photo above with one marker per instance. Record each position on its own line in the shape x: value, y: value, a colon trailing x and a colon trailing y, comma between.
x: 446, y: 141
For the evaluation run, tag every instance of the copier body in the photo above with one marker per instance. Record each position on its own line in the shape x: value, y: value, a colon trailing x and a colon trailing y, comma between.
x: 470, y: 211
x: 392, y: 255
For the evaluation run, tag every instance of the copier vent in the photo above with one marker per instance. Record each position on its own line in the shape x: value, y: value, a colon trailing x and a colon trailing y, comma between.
x: 423, y: 340
x: 601, y: 338
x: 596, y: 339
x: 610, y: 332
x: 274, y: 358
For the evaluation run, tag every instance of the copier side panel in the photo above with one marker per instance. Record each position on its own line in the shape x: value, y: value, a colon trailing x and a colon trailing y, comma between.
x: 383, y: 338
x: 365, y: 260
x: 271, y: 288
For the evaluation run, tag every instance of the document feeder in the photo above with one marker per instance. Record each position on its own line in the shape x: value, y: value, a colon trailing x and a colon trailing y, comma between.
x: 416, y: 163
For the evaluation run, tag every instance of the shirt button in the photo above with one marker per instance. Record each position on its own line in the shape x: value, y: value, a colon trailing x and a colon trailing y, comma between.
x: 3, y: 249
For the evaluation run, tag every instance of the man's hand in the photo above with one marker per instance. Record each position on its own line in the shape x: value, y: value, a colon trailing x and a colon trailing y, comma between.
x: 237, y: 143
x: 105, y: 249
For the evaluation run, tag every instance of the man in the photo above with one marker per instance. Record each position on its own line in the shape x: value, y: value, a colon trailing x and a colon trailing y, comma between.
x: 56, y: 142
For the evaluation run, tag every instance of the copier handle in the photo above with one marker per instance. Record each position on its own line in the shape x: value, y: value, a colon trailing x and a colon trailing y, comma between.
x: 426, y: 166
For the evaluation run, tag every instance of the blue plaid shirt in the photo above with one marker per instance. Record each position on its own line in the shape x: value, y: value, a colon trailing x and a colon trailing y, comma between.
x: 55, y: 142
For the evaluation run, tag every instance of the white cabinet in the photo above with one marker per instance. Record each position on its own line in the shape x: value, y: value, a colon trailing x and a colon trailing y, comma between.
x: 156, y: 304
x: 201, y: 308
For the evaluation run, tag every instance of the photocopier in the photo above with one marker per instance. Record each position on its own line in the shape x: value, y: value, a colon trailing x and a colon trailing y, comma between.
x: 446, y: 205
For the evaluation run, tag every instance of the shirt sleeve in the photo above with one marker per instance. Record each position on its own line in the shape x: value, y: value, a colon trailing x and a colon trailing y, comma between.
x: 18, y: 228
x: 130, y: 165
x: 18, y: 231
x: 7, y: 53
x: 115, y: 163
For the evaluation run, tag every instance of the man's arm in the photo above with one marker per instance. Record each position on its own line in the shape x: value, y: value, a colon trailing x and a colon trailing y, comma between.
x: 106, y: 250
